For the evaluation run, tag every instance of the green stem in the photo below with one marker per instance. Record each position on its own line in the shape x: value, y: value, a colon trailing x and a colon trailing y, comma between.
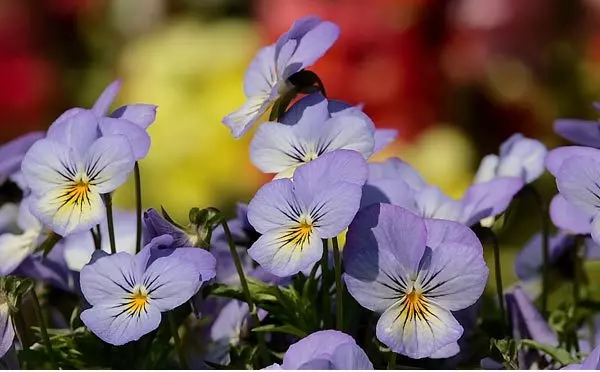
x: 110, y: 222
x: 577, y: 253
x: 43, y: 329
x: 325, y: 286
x: 339, y: 285
x: 252, y: 308
x: 20, y: 328
x: 498, y: 275
x: 95, y: 238
x: 392, y: 361
x: 545, y: 249
x: 177, y: 340
x: 138, y: 207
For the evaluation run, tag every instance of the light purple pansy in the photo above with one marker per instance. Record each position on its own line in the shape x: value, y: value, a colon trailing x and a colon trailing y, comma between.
x: 577, y: 172
x: 267, y: 77
x: 311, y: 127
x: 282, y: 147
x: 129, y: 293
x: 67, y: 178
x: 519, y: 156
x: 325, y: 350
x: 12, y: 153
x: 394, y: 181
x: 294, y: 216
x: 130, y: 121
x: 7, y: 332
x: 415, y: 272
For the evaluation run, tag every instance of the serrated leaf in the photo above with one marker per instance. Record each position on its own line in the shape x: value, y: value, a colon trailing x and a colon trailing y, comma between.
x: 287, y: 328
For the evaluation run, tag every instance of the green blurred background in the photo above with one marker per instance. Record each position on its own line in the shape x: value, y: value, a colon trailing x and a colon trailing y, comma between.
x: 455, y: 77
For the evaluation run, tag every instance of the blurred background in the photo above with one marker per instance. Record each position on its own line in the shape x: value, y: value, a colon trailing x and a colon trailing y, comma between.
x: 455, y: 77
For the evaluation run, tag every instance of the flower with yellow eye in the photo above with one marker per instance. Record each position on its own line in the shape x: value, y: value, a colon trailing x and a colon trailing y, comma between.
x: 294, y: 216
x: 128, y: 293
x: 415, y: 272
x: 67, y: 178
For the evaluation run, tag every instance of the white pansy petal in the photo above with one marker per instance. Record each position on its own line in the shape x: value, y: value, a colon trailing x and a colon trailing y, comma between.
x: 261, y: 76
x: 241, y: 120
x: 109, y: 162
x: 69, y: 209
x: 346, y: 132
x: 14, y: 249
x: 419, y: 330
x: 47, y: 165
x: 276, y: 147
x: 286, y: 251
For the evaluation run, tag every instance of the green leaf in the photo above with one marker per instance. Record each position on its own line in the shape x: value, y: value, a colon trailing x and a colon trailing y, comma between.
x: 560, y: 355
x: 287, y: 328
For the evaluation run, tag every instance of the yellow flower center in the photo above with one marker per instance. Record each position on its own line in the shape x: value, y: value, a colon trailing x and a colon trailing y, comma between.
x: 77, y: 193
x: 138, y: 300
x: 299, y: 234
x: 415, y: 305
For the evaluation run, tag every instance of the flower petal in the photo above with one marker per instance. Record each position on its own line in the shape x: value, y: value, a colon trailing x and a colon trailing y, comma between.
x: 14, y: 249
x: 555, y: 158
x: 383, y: 138
x: 110, y: 277
x: 414, y: 336
x: 76, y: 130
x: 109, y: 162
x: 453, y: 274
x: 113, y: 324
x: 140, y: 114
x: 12, y: 153
x: 261, y: 75
x: 241, y: 120
x: 581, y: 132
x: 276, y: 147
x: 390, y: 191
x: 527, y: 321
x: 170, y: 282
x: 578, y: 180
x: 7, y: 332
x: 138, y: 138
x: 279, y: 252
x: 273, y: 206
x: 67, y: 215
x: 440, y: 232
x: 313, y: 45
x: 48, y: 165
x: 488, y: 199
x: 334, y: 208
x: 566, y: 216
x: 328, y: 169
x: 106, y: 99
x: 318, y: 345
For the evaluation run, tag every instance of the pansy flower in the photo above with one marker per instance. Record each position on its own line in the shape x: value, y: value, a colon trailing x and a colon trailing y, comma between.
x: 591, y: 362
x: 325, y: 350
x: 577, y: 172
x: 415, y: 272
x: 267, y: 77
x: 130, y: 121
x: 67, y: 178
x: 11, y: 156
x: 519, y: 156
x: 312, y: 127
x: 394, y: 181
x: 294, y: 216
x: 129, y: 293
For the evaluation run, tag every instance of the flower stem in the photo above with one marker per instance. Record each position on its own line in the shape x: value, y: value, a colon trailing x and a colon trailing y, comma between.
x: 339, y: 285
x: 325, y: 286
x: 177, y: 340
x: 251, y: 306
x: 40, y: 317
x: 95, y: 231
x: 392, y: 361
x: 545, y: 249
x: 110, y: 222
x: 138, y: 207
x: 498, y: 275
